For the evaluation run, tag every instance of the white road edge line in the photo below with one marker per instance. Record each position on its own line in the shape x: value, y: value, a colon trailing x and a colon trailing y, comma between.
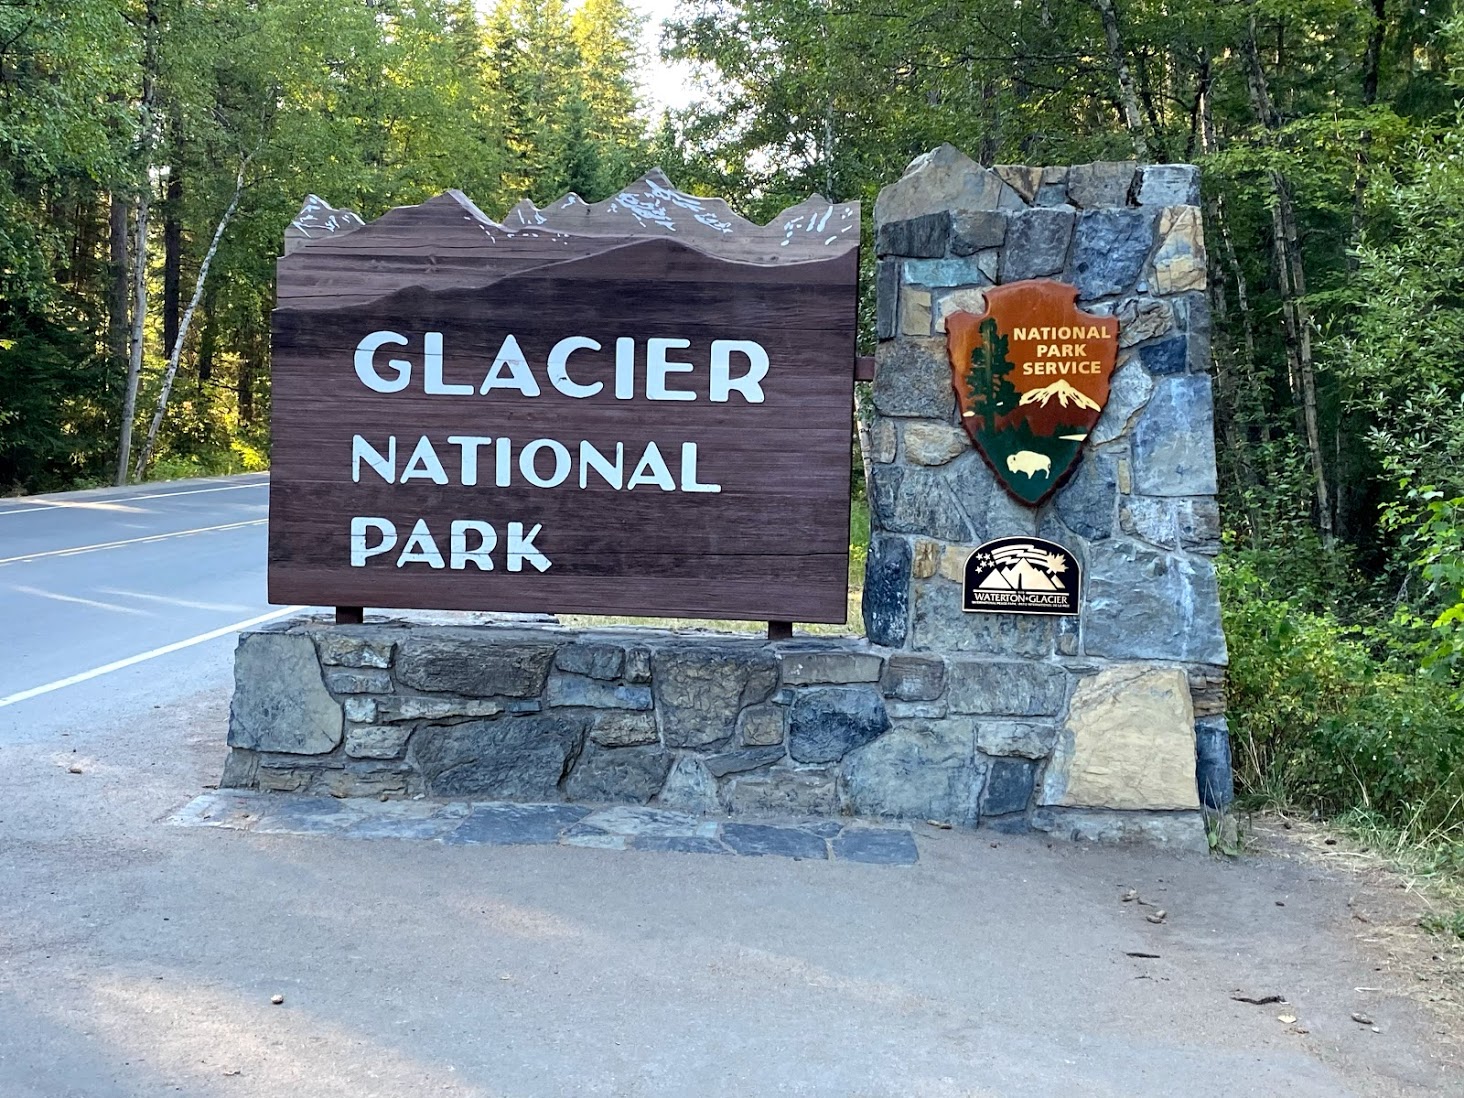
x: 71, y: 552
x: 61, y: 505
x: 118, y: 665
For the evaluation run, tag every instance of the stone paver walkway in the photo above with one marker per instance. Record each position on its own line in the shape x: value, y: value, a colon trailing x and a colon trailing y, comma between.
x: 623, y: 827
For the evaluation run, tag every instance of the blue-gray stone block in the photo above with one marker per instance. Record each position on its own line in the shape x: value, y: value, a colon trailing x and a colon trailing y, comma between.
x: 1167, y: 356
x: 1213, y: 771
x: 1008, y: 786
x: 609, y: 775
x: 1037, y: 243
x: 1174, y: 440
x: 1141, y: 603
x: 826, y: 723
x: 975, y: 230
x: 784, y: 842
x: 886, y: 597
x: 923, y: 237
x: 515, y: 824
x: 876, y: 846
x: 886, y: 297
x: 1109, y: 250
x: 944, y: 273
x: 1170, y: 185
x: 1088, y: 502
x: 678, y: 844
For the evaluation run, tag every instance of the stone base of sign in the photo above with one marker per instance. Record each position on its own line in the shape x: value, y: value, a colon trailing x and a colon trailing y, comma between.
x: 718, y: 723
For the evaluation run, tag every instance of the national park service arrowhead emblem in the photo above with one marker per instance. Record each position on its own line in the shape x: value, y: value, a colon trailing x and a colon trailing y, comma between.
x: 1031, y: 376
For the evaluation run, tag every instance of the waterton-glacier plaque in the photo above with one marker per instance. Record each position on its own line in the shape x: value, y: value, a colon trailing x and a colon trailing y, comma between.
x: 1026, y: 575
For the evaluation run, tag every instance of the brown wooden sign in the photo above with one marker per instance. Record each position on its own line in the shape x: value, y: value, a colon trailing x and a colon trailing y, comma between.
x: 1031, y: 375
x: 636, y: 407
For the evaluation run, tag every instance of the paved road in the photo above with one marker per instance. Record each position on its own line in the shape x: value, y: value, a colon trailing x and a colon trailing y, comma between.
x: 88, y: 579
x: 139, y: 959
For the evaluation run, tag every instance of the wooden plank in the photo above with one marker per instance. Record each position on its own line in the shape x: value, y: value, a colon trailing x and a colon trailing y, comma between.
x: 571, y: 527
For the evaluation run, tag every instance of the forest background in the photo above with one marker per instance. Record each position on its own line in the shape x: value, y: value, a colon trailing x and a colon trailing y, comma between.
x: 152, y: 152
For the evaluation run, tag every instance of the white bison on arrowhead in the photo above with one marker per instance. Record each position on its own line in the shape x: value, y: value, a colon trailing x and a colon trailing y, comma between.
x: 1030, y: 462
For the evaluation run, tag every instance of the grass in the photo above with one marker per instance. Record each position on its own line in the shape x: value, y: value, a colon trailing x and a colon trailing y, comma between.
x: 858, y: 540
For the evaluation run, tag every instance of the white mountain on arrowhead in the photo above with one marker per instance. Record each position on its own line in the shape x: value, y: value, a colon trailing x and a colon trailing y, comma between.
x: 1064, y: 393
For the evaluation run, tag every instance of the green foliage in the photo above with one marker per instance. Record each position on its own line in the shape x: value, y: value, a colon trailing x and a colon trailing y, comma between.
x: 1335, y: 718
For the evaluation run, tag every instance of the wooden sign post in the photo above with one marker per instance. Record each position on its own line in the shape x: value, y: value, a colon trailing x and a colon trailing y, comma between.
x: 636, y: 407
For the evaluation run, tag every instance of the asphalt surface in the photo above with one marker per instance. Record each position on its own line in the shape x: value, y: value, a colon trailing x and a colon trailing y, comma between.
x: 140, y: 958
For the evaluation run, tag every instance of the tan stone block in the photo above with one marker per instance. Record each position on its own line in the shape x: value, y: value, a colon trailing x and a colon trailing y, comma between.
x: 1179, y: 262
x: 926, y: 559
x: 959, y: 301
x: 1129, y: 742
x: 914, y: 311
x: 953, y: 562
x: 1021, y: 178
x: 930, y: 443
x: 1125, y: 476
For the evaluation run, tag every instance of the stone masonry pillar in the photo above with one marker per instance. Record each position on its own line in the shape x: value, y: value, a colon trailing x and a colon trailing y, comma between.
x: 1110, y: 724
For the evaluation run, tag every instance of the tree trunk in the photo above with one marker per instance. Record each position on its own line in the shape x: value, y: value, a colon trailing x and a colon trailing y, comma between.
x: 173, y: 244
x: 1371, y: 63
x: 139, y: 251
x: 118, y: 283
x: 1131, y: 117
x: 177, y: 352
x: 1291, y: 281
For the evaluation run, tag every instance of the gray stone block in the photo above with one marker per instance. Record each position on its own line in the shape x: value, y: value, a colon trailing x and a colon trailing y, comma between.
x: 761, y: 725
x: 739, y: 762
x: 361, y: 710
x: 783, y: 842
x: 280, y: 700
x: 825, y: 723
x: 1193, y: 310
x: 1008, y: 786
x: 914, y: 379
x: 780, y: 792
x: 937, y: 274
x: 406, y: 707
x: 1109, y: 250
x: 630, y: 775
x: 885, y: 600
x: 1106, y: 183
x: 923, y: 236
x: 485, y: 665
x: 1170, y: 185
x: 1175, y: 830
x: 1213, y: 772
x: 567, y: 689
x: 376, y: 741
x: 913, y: 678
x: 515, y: 824
x: 638, y: 665
x: 923, y: 770
x: 976, y: 230
x: 366, y: 681
x: 678, y: 844
x: 1037, y: 244
x: 1088, y: 502
x: 943, y: 179
x: 700, y: 688
x: 241, y: 769
x: 988, y: 507
x: 512, y: 758
x: 938, y: 624
x: 916, y: 710
x: 1005, y: 687
x: 1173, y: 523
x: 930, y: 442
x: 886, y: 297
x: 805, y: 662
x: 1165, y: 356
x: 1024, y: 738
x: 1128, y: 391
x: 1149, y: 605
x: 689, y: 788
x: 1174, y: 440
x: 622, y: 728
x: 341, y: 648
x: 915, y: 500
x: 598, y: 661
x: 875, y: 846
x: 1051, y: 194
